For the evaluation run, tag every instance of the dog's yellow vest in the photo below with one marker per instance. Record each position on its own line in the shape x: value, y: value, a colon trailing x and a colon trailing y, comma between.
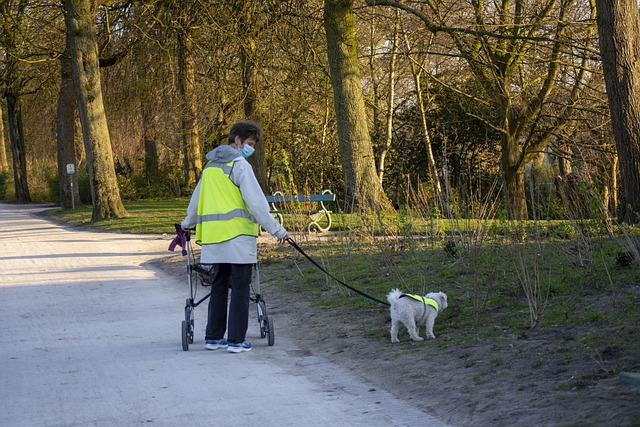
x: 424, y: 300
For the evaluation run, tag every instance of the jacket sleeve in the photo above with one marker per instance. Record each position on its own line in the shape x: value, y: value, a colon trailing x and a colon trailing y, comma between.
x: 189, y: 221
x: 243, y: 176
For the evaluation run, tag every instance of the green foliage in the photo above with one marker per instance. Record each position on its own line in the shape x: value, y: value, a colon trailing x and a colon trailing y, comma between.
x: 53, y: 185
x: 450, y: 248
x: 84, y: 188
x: 137, y: 185
x: 128, y: 190
x: 84, y: 191
x: 624, y: 259
x: 167, y: 185
x: 462, y: 142
x: 5, y: 181
x: 595, y: 317
x: 42, y: 175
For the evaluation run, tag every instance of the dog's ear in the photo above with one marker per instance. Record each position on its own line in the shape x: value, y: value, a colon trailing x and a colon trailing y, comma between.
x: 445, y: 302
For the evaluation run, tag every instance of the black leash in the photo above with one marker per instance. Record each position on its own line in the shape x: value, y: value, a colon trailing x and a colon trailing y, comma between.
x: 299, y: 249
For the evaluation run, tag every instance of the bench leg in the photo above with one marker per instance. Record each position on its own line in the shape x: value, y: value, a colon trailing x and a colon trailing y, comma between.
x: 317, y: 219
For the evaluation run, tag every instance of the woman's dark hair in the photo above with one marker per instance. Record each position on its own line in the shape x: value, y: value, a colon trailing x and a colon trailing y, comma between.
x: 245, y: 129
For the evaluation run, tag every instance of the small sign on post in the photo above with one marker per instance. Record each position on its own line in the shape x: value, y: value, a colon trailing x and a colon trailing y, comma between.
x: 71, y: 169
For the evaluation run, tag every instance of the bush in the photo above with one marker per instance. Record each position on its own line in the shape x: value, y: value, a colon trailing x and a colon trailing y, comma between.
x: 168, y: 184
x: 83, y: 188
x: 128, y: 189
x: 5, y: 180
x: 53, y: 185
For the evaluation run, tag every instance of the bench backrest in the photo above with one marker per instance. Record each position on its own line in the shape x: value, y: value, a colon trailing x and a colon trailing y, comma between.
x: 320, y: 197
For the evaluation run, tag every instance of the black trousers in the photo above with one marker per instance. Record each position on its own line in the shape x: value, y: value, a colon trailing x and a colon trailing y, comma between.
x: 236, y: 277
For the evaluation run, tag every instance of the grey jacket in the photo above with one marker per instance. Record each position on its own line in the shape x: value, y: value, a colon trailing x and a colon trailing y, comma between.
x: 242, y: 249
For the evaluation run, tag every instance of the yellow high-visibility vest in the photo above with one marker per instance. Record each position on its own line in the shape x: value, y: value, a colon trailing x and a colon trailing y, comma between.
x: 222, y: 212
x: 428, y: 301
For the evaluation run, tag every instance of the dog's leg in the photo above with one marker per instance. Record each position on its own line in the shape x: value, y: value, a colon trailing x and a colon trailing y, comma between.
x: 394, y: 330
x: 429, y: 327
x: 413, y: 331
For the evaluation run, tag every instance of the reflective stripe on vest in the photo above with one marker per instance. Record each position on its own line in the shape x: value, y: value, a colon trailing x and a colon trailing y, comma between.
x: 222, y: 212
x: 428, y: 301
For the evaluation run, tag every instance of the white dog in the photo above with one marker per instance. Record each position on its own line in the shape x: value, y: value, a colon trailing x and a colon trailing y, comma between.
x: 414, y: 311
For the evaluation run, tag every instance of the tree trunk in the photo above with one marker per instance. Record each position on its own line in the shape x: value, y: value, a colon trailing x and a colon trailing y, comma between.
x: 513, y: 180
x: 249, y: 88
x: 247, y: 30
x: 4, y: 164
x: 80, y: 20
x: 146, y: 85
x: 362, y: 187
x: 564, y: 161
x: 417, y: 73
x: 65, y: 136
x: 149, y: 140
x: 386, y: 146
x: 619, y: 31
x: 613, y: 206
x: 18, y: 149
x: 433, y: 170
x: 191, y: 151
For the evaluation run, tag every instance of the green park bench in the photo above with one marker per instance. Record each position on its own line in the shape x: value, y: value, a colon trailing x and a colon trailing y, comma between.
x: 319, y: 217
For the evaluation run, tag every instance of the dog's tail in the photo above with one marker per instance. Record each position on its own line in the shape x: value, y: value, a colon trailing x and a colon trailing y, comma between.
x: 393, y: 296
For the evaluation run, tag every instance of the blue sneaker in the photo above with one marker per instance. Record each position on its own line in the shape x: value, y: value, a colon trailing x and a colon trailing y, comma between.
x: 215, y: 344
x: 238, y: 347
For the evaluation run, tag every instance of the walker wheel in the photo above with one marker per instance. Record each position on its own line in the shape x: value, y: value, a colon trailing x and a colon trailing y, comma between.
x: 262, y: 318
x: 270, y: 331
x: 185, y: 335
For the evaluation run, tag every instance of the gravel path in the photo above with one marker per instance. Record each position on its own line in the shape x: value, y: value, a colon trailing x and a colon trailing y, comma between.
x: 90, y: 336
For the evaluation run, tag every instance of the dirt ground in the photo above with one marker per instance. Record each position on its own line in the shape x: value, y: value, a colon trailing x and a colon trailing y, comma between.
x: 509, y: 381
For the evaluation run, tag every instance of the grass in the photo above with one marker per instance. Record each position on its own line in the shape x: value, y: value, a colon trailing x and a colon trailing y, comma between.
x: 158, y: 216
x: 481, y: 279
x: 432, y: 269
x: 145, y: 217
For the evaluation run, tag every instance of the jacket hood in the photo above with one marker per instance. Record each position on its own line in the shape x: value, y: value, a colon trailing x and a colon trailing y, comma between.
x: 223, y: 154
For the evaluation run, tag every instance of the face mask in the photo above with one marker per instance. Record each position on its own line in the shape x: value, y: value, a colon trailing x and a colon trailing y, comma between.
x: 247, y: 151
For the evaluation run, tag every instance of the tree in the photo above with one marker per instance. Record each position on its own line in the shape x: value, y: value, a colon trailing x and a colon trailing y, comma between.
x: 418, y: 66
x: 14, y: 83
x: 619, y: 31
x: 294, y: 99
x: 149, y: 135
x: 248, y: 30
x: 522, y: 55
x: 191, y: 151
x: 66, y: 134
x: 244, y: 25
x: 382, y: 126
x: 362, y: 187
x: 80, y: 23
x: 240, y: 22
x: 136, y: 95
x: 146, y: 70
x: 4, y: 164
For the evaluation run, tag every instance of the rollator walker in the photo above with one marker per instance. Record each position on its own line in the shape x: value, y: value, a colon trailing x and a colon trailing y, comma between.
x: 200, y: 276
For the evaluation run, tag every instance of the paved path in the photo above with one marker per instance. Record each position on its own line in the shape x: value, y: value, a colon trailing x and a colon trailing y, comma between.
x: 90, y: 336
